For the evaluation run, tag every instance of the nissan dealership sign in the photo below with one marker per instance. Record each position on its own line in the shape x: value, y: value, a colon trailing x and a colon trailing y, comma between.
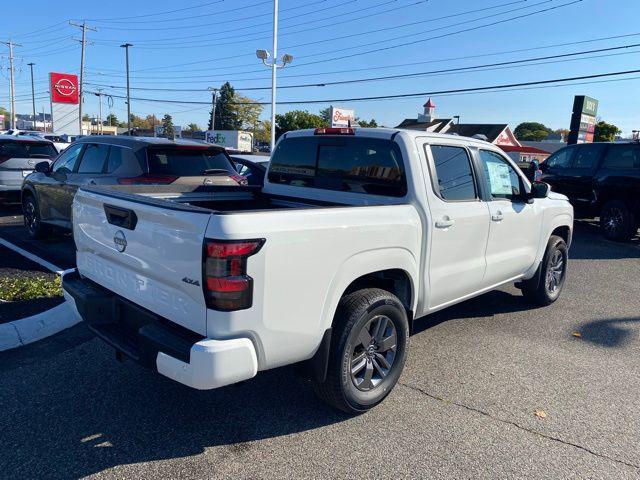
x: 64, y: 88
x: 65, y: 102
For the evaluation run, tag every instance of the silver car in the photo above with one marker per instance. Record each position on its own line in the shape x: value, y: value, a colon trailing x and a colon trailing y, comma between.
x: 18, y: 158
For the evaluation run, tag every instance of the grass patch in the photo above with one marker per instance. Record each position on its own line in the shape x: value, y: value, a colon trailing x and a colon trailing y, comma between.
x: 13, y: 289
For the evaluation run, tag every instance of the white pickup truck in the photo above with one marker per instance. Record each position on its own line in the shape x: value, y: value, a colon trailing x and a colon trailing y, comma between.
x: 355, y: 235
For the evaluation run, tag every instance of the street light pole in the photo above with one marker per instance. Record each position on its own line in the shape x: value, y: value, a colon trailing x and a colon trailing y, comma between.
x: 264, y: 55
x: 274, y: 68
x: 126, y: 48
x: 33, y: 97
x: 99, y: 95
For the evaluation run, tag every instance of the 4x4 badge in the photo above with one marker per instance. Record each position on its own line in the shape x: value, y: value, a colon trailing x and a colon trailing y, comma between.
x: 191, y: 281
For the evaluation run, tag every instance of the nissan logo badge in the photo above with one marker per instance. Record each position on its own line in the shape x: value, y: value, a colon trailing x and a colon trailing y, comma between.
x: 120, y: 241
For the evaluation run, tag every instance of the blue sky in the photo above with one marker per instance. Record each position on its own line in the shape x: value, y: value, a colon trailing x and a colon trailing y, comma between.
x: 199, y: 44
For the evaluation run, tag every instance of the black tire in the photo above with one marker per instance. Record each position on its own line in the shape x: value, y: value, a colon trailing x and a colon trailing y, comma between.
x: 546, y: 286
x: 32, y: 221
x: 356, y: 339
x: 617, y: 221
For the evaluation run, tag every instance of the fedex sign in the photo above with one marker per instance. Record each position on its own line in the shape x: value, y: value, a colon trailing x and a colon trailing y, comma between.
x: 64, y: 88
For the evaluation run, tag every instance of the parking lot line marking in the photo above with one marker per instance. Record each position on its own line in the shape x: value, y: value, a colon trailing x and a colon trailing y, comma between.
x: 34, y: 258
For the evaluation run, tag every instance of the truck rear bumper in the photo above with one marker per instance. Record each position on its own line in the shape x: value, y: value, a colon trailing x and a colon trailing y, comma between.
x: 156, y: 342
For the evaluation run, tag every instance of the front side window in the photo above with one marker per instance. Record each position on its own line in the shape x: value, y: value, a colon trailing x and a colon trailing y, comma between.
x: 502, y: 178
x: 454, y: 176
x: 561, y: 159
x: 67, y: 160
x: 586, y: 156
x: 93, y: 158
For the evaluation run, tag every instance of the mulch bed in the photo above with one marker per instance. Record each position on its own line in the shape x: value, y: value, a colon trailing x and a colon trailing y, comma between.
x: 15, y: 265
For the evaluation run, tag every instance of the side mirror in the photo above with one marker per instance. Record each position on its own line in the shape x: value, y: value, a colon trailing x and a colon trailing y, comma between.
x: 543, y: 167
x: 540, y: 190
x: 42, y: 167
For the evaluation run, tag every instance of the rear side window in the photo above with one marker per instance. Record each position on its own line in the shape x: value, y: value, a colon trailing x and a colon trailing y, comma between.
x: 622, y: 157
x: 188, y: 162
x: 93, y: 158
x: 348, y: 164
x: 454, y: 177
x: 587, y: 156
x: 12, y: 149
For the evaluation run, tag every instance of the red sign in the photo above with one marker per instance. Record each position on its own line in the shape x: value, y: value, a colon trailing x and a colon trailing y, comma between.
x: 64, y: 88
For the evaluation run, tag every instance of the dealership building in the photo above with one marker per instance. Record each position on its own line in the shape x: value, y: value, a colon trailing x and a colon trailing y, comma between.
x: 499, y: 134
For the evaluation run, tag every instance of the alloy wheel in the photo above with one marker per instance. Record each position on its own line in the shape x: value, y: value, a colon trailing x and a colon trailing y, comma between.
x: 555, y: 272
x: 30, y: 217
x: 373, y: 356
x: 613, y: 221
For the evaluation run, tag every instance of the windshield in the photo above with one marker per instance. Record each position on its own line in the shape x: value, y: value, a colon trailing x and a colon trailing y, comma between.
x: 15, y: 149
x: 188, y: 162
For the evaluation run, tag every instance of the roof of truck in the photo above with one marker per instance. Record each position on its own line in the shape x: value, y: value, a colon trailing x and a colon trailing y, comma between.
x: 389, y: 132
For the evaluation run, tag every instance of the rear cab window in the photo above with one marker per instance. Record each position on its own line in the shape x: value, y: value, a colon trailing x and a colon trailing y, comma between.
x: 187, y: 161
x: 342, y: 163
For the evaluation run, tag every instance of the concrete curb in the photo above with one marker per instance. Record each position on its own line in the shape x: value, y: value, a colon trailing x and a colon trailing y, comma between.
x: 42, y: 325
x: 31, y: 329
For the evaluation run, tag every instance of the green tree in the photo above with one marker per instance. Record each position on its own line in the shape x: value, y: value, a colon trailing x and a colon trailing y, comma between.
x: 86, y: 118
x: 531, y: 131
x: 235, y: 111
x: 325, y: 113
x: 296, y: 120
x: 139, y: 123
x: 263, y: 132
x: 167, y: 126
x: 192, y: 127
x: 112, y: 120
x: 605, y: 132
x: 367, y: 124
x: 5, y: 112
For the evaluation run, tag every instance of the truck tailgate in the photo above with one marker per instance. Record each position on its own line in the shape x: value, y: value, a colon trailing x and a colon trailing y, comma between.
x: 149, y: 253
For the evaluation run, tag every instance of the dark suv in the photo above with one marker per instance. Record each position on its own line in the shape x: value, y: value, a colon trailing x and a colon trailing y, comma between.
x: 135, y: 163
x: 600, y: 179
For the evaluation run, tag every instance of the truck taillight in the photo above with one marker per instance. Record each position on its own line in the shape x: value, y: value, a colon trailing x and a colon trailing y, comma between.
x: 226, y: 285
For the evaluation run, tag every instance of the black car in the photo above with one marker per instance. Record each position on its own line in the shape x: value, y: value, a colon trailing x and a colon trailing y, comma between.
x: 252, y: 167
x: 600, y: 179
x: 135, y: 163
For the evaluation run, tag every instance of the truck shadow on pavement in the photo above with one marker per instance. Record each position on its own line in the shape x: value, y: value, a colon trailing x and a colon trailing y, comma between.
x: 83, y: 412
x: 589, y: 244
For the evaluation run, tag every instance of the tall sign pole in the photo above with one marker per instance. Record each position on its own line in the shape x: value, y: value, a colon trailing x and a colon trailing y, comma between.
x: 126, y: 48
x: 12, y: 90
x: 33, y: 97
x: 84, y: 27
x: 214, y: 101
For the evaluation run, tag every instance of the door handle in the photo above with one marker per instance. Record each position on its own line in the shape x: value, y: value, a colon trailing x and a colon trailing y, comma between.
x: 446, y: 222
x: 92, y: 182
x: 497, y: 217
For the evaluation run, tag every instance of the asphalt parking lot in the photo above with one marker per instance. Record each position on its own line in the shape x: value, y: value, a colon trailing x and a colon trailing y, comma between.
x: 465, y: 406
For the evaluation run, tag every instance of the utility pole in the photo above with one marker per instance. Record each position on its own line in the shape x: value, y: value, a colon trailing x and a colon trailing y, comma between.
x: 126, y: 48
x: 214, y: 101
x: 33, y: 97
x: 84, y: 27
x: 12, y: 90
x: 44, y: 121
x: 99, y: 95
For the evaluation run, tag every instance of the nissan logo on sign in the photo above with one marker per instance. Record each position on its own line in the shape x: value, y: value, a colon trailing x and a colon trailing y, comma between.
x: 64, y: 88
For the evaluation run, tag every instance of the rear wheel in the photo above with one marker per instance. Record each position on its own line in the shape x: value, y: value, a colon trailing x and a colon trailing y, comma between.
x: 32, y: 220
x: 368, y: 351
x: 617, y: 221
x: 547, y: 284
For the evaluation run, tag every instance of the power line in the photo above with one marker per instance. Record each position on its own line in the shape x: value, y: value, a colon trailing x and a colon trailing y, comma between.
x: 395, y: 77
x: 406, y: 95
x: 113, y: 19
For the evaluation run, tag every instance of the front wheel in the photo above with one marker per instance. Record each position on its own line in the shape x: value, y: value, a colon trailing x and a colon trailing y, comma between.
x: 368, y: 350
x: 549, y: 282
x: 617, y: 221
